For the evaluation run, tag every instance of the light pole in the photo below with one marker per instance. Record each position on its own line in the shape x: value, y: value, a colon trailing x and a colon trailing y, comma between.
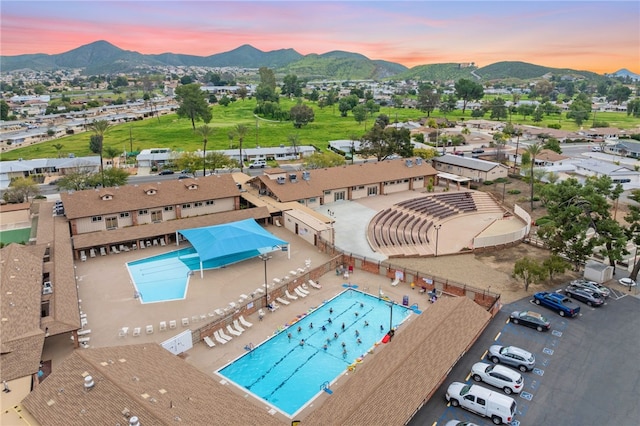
x: 265, y: 258
x: 390, y: 317
x: 437, y: 228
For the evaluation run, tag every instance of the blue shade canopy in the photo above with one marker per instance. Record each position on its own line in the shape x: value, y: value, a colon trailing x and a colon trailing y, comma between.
x: 242, y: 239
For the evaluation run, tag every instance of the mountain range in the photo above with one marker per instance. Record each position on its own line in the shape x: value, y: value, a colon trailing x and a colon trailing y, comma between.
x: 102, y: 57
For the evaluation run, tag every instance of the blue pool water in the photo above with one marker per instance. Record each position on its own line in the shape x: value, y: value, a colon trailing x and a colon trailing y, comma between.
x: 165, y: 277
x: 287, y: 375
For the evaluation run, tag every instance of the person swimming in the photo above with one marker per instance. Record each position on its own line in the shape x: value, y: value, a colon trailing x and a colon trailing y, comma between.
x: 324, y: 328
x: 299, y: 329
x: 366, y: 323
x: 302, y: 342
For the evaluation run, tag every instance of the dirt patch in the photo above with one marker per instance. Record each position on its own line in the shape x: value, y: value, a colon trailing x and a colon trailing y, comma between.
x: 490, y: 270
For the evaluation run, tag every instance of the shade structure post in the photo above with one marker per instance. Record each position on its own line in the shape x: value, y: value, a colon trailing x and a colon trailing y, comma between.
x: 201, y: 269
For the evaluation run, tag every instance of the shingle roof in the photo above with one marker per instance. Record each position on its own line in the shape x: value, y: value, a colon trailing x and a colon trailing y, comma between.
x: 20, y: 333
x: 321, y: 180
x: 394, y: 382
x: 133, y: 197
x: 469, y: 163
x: 144, y: 380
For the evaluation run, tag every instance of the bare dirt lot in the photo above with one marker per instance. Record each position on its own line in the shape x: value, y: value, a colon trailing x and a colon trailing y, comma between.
x: 491, y: 270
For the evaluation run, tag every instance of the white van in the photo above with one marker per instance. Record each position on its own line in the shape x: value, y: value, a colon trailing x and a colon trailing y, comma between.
x: 498, y: 407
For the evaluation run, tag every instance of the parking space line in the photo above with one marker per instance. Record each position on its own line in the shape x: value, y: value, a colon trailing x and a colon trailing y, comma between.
x: 466, y: 379
x: 484, y: 354
x: 497, y: 336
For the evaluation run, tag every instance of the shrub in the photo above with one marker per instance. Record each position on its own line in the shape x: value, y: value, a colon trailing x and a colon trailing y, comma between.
x: 501, y: 180
x: 487, y: 182
x: 556, y: 126
x: 513, y: 191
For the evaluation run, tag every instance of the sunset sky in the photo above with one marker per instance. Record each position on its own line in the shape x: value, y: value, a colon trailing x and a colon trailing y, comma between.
x: 600, y: 36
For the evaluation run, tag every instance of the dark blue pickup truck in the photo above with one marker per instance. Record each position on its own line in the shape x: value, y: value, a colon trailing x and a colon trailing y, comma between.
x: 558, y: 302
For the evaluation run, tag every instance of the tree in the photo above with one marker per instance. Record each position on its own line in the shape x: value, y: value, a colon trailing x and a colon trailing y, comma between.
x: 58, y: 147
x: 498, y: 109
x: 291, y: 86
x: 205, y: 131
x: 553, y: 144
x: 374, y: 144
x: 21, y: 189
x: 632, y: 231
x: 633, y: 107
x: 543, y: 89
x: 266, y: 90
x: 301, y: 115
x: 242, y: 92
x: 216, y: 160
x: 241, y: 132
x: 359, y: 113
x: 193, y: 104
x: 533, y: 150
x: 4, y: 110
x: 294, y: 141
x: 111, y: 152
x: 529, y: 270
x: 428, y: 98
x: 468, y: 90
x: 618, y: 93
x: 96, y: 142
x: 188, y: 161
x: 112, y: 177
x: 580, y: 109
x: 554, y: 264
x: 322, y: 160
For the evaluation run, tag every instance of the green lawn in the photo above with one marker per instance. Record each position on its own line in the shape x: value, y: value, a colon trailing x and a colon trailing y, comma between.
x: 176, y: 133
x: 15, y: 236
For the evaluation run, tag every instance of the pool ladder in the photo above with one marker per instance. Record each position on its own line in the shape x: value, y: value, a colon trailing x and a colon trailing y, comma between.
x: 325, y: 387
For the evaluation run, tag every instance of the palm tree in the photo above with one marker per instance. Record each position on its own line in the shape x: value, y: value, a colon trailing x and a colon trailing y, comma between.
x: 533, y: 151
x: 241, y: 131
x: 99, y: 128
x: 58, y: 147
x: 205, y: 131
x: 111, y: 152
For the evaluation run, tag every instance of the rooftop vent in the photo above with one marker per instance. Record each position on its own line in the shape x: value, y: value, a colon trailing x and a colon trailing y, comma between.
x: 281, y: 180
x: 306, y: 175
x: 88, y: 383
x: 418, y: 161
x: 293, y: 177
x: 133, y: 421
x: 408, y: 163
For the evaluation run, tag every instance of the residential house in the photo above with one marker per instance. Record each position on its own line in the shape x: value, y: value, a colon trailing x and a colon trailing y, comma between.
x: 45, y: 166
x: 626, y: 148
x: 546, y: 157
x: 472, y: 168
x: 628, y: 177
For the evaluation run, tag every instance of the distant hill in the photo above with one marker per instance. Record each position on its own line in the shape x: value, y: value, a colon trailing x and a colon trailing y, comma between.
x: 102, y: 57
x: 626, y: 73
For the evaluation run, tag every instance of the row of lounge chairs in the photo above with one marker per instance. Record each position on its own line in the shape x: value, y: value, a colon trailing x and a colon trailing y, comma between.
x: 121, y: 248
x: 239, y: 326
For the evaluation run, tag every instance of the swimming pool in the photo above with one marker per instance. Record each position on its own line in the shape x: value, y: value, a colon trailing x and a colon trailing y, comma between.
x: 288, y: 374
x: 165, y: 277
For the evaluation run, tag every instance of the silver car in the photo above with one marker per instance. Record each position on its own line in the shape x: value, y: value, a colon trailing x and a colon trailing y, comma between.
x: 512, y: 355
x: 510, y: 381
x: 592, y: 285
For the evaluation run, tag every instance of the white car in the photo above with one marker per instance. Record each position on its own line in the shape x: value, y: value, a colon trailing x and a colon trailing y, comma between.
x: 627, y: 282
x: 459, y: 423
x: 510, y: 381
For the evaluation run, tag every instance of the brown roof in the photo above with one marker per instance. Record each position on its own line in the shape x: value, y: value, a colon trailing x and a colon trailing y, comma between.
x: 150, y: 230
x: 390, y: 385
x: 20, y: 333
x: 53, y: 233
x: 344, y: 176
x: 144, y: 380
x: 133, y: 197
x: 545, y: 154
x: 4, y: 208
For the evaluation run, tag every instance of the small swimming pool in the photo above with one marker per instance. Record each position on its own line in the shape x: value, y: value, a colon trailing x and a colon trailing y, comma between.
x: 287, y: 373
x: 165, y: 277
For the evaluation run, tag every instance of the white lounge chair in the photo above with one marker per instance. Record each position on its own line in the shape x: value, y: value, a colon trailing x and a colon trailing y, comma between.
x: 304, y: 289
x: 299, y: 293
x: 313, y: 284
x: 219, y: 312
x: 114, y: 250
x: 142, y: 245
x: 122, y: 248
x: 83, y: 332
x: 260, y: 314
x: 185, y: 322
x: 219, y: 338
x: 245, y: 322
x: 233, y: 330
x: 260, y: 290
x: 283, y: 301
x: 149, y: 329
x: 103, y: 252
x: 123, y: 332
x: 273, y: 306
x: 162, y: 243
x: 238, y: 327
x: 148, y: 243
x: 136, y: 332
x: 172, y: 324
x: 163, y: 325
x: 209, y: 342
x: 155, y: 242
x: 224, y: 335
x: 290, y: 296
x: 194, y: 318
x: 92, y: 252
x: 278, y: 222
x: 395, y: 282
x: 83, y: 256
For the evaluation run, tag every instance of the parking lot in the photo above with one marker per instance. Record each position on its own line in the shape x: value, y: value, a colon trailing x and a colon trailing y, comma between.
x: 586, y: 367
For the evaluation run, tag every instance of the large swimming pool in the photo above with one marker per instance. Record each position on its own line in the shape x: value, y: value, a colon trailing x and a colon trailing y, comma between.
x: 289, y: 369
x: 165, y: 277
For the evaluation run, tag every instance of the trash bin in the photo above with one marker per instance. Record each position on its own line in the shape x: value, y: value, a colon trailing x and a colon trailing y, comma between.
x: 405, y: 300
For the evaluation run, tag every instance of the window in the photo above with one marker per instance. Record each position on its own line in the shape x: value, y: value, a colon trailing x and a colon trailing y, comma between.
x: 197, y: 204
x: 481, y: 401
x: 156, y: 215
x: 208, y: 203
x: 372, y: 190
x: 143, y: 212
x: 111, y: 222
x: 186, y: 206
x: 338, y: 196
x: 168, y: 208
x: 96, y: 219
x: 327, y: 192
x: 312, y: 200
x: 125, y: 214
x: 44, y: 309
